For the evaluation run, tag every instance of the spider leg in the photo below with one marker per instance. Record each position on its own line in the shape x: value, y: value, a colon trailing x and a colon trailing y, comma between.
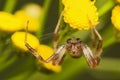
x: 93, y: 39
x: 57, y: 57
x: 93, y: 57
x: 90, y: 57
x: 56, y: 31
x: 33, y: 51
x: 99, y: 45
x: 97, y: 48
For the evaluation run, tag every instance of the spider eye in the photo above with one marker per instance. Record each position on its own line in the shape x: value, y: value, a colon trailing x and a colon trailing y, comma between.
x: 78, y: 40
x: 69, y: 40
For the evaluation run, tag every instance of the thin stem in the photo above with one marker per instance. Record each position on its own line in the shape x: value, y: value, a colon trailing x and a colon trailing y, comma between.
x: 9, y: 5
x: 26, y: 31
x: 43, y: 17
x: 106, y: 7
x: 60, y: 6
x: 108, y: 36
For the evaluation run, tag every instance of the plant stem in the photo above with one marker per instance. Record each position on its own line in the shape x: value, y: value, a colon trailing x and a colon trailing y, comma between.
x: 106, y: 7
x: 43, y: 16
x: 9, y: 5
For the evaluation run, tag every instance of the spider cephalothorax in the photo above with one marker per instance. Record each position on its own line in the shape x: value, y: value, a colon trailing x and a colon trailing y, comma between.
x: 73, y: 47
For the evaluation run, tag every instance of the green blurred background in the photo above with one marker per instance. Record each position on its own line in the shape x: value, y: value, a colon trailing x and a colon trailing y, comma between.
x: 17, y: 66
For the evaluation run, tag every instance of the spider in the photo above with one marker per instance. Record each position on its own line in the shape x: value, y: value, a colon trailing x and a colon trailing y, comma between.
x: 74, y: 46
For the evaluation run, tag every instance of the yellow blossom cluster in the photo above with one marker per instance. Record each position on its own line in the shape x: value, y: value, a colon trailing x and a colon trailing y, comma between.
x: 118, y: 0
x: 9, y: 22
x: 80, y: 14
x: 116, y: 17
x: 14, y: 22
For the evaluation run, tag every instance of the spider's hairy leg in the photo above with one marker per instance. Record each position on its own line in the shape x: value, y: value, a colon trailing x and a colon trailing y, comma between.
x: 97, y: 48
x: 58, y: 56
x: 56, y: 31
x: 93, y: 39
x: 33, y: 51
x: 55, y: 58
x: 93, y: 56
x: 90, y: 57
x: 99, y: 45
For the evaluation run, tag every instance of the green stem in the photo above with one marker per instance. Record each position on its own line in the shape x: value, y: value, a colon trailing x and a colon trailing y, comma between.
x: 109, y: 42
x: 106, y: 7
x: 9, y: 5
x: 108, y: 36
x: 60, y: 6
x: 43, y: 16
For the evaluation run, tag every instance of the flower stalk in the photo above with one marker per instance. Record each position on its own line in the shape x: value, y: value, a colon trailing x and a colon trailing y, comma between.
x: 10, y: 5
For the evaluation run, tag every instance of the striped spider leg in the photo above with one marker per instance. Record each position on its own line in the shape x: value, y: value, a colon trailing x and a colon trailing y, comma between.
x: 58, y: 53
x: 55, y: 58
x: 93, y: 56
x: 33, y: 51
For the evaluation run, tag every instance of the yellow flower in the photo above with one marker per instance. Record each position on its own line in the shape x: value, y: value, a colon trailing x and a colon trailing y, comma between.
x: 46, y: 52
x: 19, y: 37
x: 78, y: 14
x: 118, y: 0
x: 116, y: 17
x: 33, y: 10
x: 32, y: 13
x: 9, y: 23
x: 24, y: 17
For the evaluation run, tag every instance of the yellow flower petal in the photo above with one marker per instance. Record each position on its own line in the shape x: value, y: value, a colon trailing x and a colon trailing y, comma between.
x: 9, y: 23
x: 116, y: 17
x: 33, y: 10
x: 118, y: 0
x: 55, y: 68
x: 79, y: 13
x: 19, y: 37
x: 24, y: 17
x: 46, y: 52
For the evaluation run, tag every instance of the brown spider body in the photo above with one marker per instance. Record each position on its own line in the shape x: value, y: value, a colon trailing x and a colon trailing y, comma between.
x: 73, y: 47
